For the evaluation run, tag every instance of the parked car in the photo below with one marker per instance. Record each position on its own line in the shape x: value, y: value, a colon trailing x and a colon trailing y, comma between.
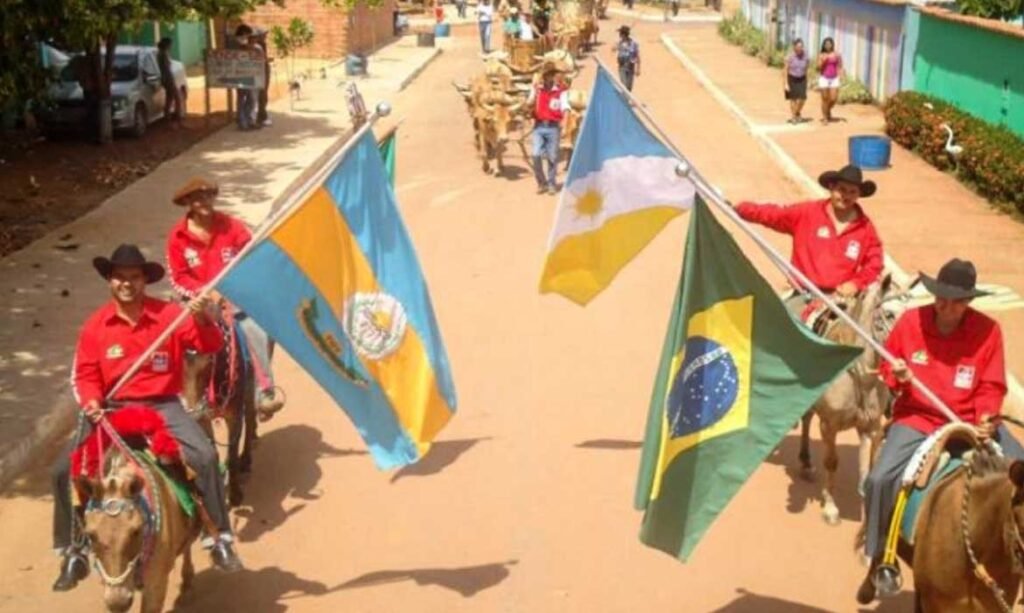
x: 137, y: 96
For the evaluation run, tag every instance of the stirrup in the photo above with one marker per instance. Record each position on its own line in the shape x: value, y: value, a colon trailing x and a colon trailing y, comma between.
x: 887, y: 580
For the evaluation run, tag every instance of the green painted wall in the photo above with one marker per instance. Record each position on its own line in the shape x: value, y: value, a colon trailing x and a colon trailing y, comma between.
x: 978, y: 70
x: 189, y: 39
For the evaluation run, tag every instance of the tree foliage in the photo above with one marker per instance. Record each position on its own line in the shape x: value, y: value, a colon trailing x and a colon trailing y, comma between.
x: 992, y: 9
x: 22, y: 77
x: 287, y: 41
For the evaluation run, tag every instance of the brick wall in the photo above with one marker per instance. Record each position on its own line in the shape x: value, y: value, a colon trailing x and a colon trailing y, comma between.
x: 336, y: 32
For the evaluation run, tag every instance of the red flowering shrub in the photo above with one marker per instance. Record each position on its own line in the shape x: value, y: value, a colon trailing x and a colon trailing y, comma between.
x: 992, y: 160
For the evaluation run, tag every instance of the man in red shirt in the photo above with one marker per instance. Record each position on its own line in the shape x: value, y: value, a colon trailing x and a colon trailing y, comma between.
x: 198, y: 249
x: 834, y: 243
x: 549, y: 102
x: 110, y: 341
x: 957, y: 353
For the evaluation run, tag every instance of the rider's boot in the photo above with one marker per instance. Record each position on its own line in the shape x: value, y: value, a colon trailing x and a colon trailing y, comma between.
x: 267, y: 403
x: 74, y: 567
x: 224, y: 556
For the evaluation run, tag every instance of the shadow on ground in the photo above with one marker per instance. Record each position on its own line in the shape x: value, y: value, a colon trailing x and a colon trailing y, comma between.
x: 610, y: 443
x: 467, y: 580
x: 749, y: 602
x: 803, y: 491
x: 441, y: 455
x: 286, y: 466
x: 254, y: 591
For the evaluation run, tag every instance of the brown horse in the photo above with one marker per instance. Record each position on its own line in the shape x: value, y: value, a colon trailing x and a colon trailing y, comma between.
x: 132, y: 548
x: 968, y: 553
x: 233, y: 380
x: 857, y: 398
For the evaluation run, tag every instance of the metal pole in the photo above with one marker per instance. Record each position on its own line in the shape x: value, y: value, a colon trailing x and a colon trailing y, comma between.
x: 289, y: 200
x: 711, y: 195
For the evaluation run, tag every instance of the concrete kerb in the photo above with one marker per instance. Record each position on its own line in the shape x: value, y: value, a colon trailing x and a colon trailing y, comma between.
x: 57, y: 422
x: 1014, y: 403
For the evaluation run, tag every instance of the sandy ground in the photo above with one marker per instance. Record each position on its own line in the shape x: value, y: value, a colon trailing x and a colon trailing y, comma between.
x: 525, y: 503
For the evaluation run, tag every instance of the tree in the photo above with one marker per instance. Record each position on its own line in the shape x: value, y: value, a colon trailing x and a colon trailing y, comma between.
x: 93, y: 26
x: 22, y: 77
x: 288, y: 41
x: 993, y: 9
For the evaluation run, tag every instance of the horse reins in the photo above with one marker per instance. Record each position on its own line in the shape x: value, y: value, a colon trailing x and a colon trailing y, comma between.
x: 979, y: 569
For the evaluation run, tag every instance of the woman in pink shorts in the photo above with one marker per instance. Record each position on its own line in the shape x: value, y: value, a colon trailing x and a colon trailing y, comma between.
x: 830, y: 68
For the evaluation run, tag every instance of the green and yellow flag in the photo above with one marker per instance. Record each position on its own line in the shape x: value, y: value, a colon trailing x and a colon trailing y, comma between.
x: 737, y: 371
x: 387, y: 153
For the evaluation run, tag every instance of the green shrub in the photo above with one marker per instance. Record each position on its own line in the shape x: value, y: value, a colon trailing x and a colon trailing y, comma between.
x: 992, y: 162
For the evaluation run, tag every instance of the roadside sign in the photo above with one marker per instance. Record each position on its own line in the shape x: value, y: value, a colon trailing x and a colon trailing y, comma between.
x: 235, y: 69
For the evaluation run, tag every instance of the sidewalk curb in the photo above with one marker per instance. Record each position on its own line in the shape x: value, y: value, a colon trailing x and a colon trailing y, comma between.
x: 654, y: 18
x: 420, y: 68
x: 1015, y: 396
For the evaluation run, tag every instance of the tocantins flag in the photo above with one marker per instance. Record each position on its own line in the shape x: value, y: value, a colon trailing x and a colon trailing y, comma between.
x: 737, y: 371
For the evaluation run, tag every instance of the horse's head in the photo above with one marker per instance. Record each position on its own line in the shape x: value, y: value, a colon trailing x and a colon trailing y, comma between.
x: 195, y: 380
x: 1014, y: 528
x: 884, y: 302
x: 115, y: 524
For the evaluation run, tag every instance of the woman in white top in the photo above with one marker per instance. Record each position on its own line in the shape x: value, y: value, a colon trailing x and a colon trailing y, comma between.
x: 526, y: 29
x: 484, y: 17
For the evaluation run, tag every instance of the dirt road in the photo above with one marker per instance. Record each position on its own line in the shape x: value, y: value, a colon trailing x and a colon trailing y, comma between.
x: 525, y: 504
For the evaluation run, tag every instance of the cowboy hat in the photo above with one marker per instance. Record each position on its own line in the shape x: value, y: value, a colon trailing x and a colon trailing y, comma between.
x: 128, y: 256
x: 624, y: 30
x: 848, y: 174
x: 956, y: 281
x: 195, y: 185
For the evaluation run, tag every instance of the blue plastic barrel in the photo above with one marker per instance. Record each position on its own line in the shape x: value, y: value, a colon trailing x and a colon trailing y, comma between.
x: 870, y: 152
x: 442, y: 30
x: 355, y: 65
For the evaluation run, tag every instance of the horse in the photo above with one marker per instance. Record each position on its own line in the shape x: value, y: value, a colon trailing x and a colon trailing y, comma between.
x: 223, y: 385
x: 857, y: 398
x: 135, y: 542
x: 968, y: 553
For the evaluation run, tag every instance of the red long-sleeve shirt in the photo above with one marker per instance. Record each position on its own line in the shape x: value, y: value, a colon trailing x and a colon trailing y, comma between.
x: 193, y: 262
x: 108, y: 345
x: 965, y: 369
x: 827, y: 257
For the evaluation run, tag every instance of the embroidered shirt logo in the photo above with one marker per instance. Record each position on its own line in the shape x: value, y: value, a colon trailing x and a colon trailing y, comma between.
x: 115, y: 352
x: 853, y: 250
x: 964, y: 378
x: 191, y: 257
x: 823, y: 232
x: 161, y: 361
x: 919, y: 357
x: 227, y: 254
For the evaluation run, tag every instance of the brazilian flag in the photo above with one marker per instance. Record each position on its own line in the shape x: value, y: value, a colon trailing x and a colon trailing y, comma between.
x: 737, y: 371
x: 387, y: 153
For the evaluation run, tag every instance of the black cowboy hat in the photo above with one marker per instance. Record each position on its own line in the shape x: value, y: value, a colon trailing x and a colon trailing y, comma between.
x: 128, y: 256
x: 956, y: 281
x: 848, y: 174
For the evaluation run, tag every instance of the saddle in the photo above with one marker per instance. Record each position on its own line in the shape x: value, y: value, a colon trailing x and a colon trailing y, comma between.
x: 936, y: 459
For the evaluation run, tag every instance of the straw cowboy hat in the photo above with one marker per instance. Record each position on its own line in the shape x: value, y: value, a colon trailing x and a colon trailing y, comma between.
x: 956, y: 281
x: 194, y: 186
x: 128, y: 256
x: 848, y: 174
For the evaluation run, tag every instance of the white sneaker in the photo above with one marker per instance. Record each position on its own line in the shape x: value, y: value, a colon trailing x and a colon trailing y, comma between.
x: 267, y: 122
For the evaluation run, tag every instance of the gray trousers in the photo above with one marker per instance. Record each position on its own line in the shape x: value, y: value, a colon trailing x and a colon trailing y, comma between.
x: 199, y: 453
x: 627, y: 72
x: 883, y: 482
x: 259, y: 349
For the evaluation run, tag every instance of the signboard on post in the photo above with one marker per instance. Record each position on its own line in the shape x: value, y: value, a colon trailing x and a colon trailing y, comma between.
x: 236, y: 69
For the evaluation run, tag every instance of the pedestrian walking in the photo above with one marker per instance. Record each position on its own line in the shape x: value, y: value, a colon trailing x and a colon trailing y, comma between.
x: 460, y: 8
x: 172, y: 95
x: 830, y: 71
x: 549, y: 101
x: 484, y: 18
x: 794, y: 80
x: 627, y: 52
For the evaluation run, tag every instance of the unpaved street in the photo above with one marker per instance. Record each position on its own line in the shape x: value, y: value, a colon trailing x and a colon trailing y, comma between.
x: 526, y: 503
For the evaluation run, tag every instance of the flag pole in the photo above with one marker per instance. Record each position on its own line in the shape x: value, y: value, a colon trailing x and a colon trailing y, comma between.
x: 286, y: 203
x: 711, y: 195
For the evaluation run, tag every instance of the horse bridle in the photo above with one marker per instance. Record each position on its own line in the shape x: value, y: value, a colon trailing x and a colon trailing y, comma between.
x: 113, y: 507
